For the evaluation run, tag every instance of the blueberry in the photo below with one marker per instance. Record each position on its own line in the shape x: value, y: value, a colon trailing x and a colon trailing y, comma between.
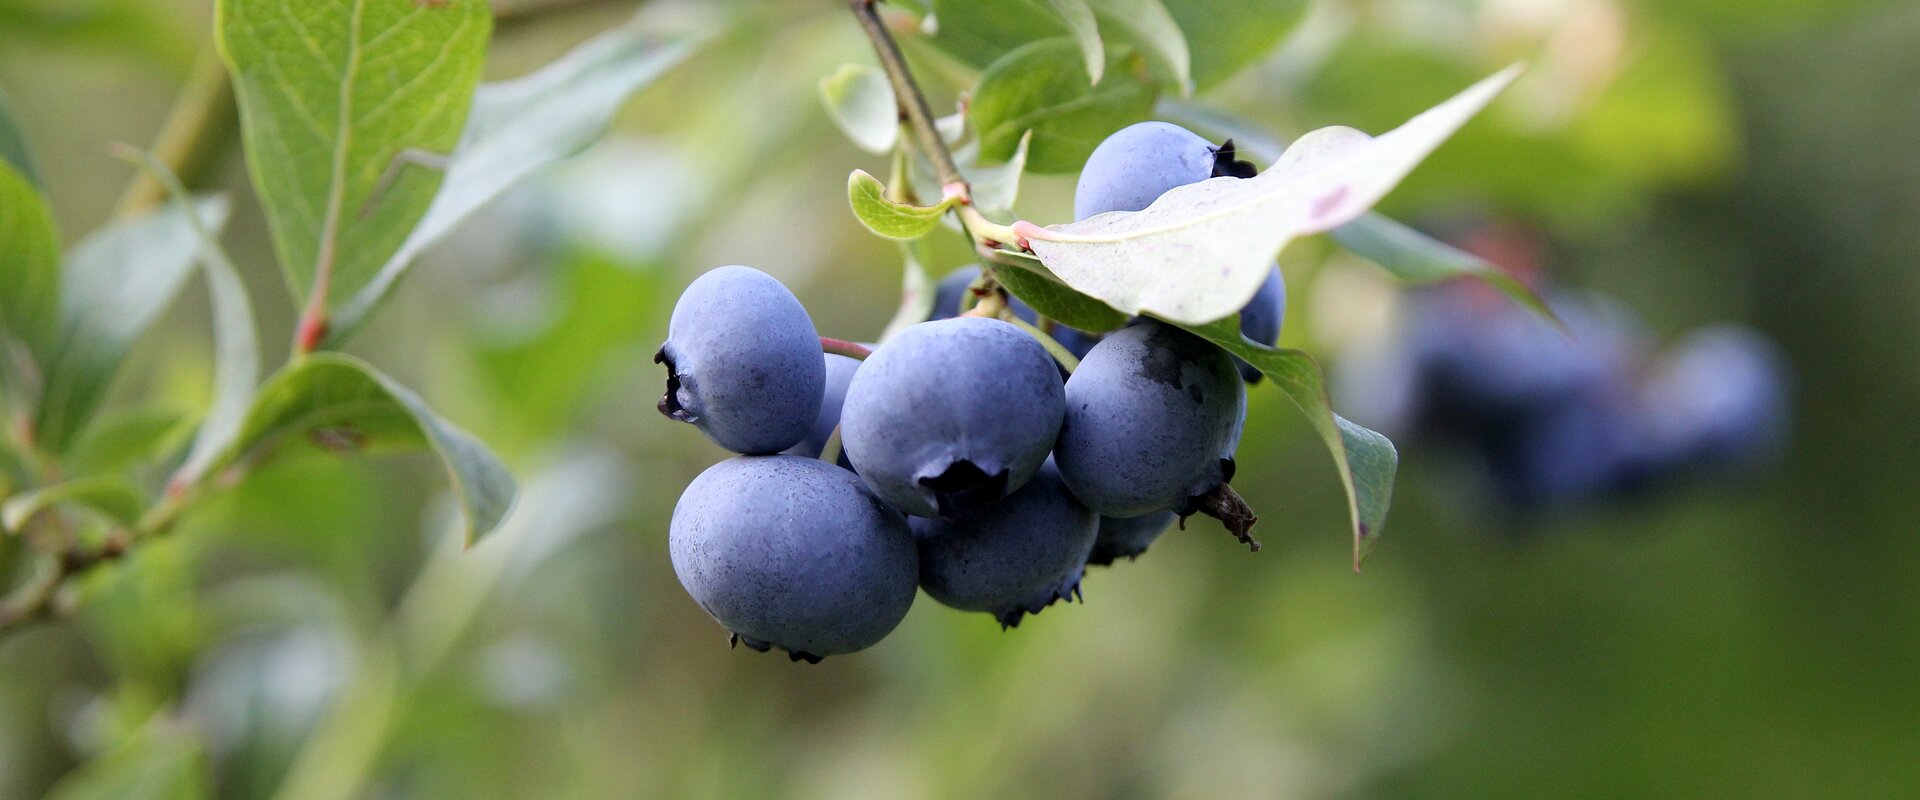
x: 1567, y: 454
x: 1485, y: 364
x: 743, y: 362
x: 1014, y: 558
x: 840, y: 371
x: 948, y: 417
x: 792, y: 552
x: 1128, y: 537
x: 1720, y: 396
x: 1138, y: 163
x: 1153, y: 416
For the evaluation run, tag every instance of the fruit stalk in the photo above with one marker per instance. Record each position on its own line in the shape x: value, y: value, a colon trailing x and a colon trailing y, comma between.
x: 842, y: 347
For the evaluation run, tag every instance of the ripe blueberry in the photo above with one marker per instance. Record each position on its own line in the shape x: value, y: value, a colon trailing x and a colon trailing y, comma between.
x: 743, y: 362
x: 794, y: 553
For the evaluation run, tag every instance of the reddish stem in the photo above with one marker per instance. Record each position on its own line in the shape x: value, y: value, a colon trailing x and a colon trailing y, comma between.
x: 842, y: 347
x: 312, y: 331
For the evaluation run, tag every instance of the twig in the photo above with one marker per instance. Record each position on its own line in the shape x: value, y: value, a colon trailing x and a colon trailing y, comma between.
x: 913, y: 102
x: 985, y: 233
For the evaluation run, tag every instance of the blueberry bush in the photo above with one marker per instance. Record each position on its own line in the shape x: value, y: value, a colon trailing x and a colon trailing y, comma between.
x: 965, y: 302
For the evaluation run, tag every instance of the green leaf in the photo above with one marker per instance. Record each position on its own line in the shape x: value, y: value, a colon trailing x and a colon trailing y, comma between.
x: 29, y: 262
x: 118, y: 281
x: 1407, y: 254
x: 887, y: 218
x: 1147, y: 24
x: 1226, y: 36
x: 163, y: 761
x: 1200, y: 252
x: 236, y: 341
x: 1028, y: 280
x: 339, y: 404
x: 13, y: 144
x: 980, y: 32
x: 1079, y: 19
x: 340, y: 103
x: 521, y: 126
x: 120, y: 439
x: 1415, y: 257
x: 112, y: 496
x: 1366, y: 460
x: 860, y: 100
x: 1043, y: 87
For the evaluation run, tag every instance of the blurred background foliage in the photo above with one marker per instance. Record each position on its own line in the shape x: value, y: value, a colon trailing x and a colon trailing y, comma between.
x: 312, y: 634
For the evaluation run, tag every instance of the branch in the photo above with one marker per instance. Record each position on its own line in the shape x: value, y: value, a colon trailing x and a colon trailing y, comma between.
x: 985, y: 233
x: 913, y: 102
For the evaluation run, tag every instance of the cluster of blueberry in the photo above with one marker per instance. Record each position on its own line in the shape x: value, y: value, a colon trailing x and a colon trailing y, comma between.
x: 972, y: 465
x: 1561, y: 420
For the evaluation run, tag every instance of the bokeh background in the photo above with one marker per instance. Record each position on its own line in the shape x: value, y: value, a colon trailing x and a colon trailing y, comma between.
x: 1701, y: 160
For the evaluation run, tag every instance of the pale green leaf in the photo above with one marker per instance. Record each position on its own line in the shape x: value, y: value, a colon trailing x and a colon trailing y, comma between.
x: 29, y: 262
x: 1147, y: 24
x: 980, y: 32
x: 1086, y: 31
x: 339, y: 404
x: 1043, y: 88
x: 341, y: 103
x: 887, y: 218
x: 111, y: 496
x: 1407, y: 254
x: 1200, y: 252
x: 860, y: 100
x: 521, y: 126
x: 118, y: 281
x: 1365, y: 460
x: 995, y: 187
x: 236, y: 341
